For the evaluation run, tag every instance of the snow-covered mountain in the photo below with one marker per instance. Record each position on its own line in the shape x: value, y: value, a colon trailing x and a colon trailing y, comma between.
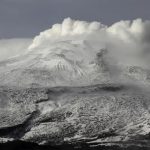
x: 74, y: 87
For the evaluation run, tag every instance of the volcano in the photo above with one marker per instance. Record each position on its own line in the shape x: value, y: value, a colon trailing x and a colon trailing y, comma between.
x: 68, y: 90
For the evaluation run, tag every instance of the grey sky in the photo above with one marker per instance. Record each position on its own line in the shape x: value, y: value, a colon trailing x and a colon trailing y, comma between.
x: 26, y: 18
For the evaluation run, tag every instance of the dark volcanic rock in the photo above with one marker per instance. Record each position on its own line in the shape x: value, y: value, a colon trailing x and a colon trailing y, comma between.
x: 32, y: 146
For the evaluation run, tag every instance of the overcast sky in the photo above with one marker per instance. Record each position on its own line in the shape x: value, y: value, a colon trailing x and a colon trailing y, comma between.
x: 26, y: 18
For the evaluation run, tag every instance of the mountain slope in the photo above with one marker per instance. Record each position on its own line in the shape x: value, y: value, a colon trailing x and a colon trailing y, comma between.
x: 67, y: 63
x: 62, y: 63
x: 94, y: 115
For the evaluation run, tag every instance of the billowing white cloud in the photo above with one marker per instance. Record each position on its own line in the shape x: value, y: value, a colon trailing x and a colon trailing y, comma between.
x: 130, y: 40
x: 127, y: 41
x: 68, y: 27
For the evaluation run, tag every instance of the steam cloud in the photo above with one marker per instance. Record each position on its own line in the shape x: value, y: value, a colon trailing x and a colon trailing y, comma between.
x: 127, y: 42
x: 13, y: 47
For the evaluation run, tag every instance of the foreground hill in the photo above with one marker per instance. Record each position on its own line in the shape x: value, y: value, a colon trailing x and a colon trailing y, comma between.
x: 100, y: 115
